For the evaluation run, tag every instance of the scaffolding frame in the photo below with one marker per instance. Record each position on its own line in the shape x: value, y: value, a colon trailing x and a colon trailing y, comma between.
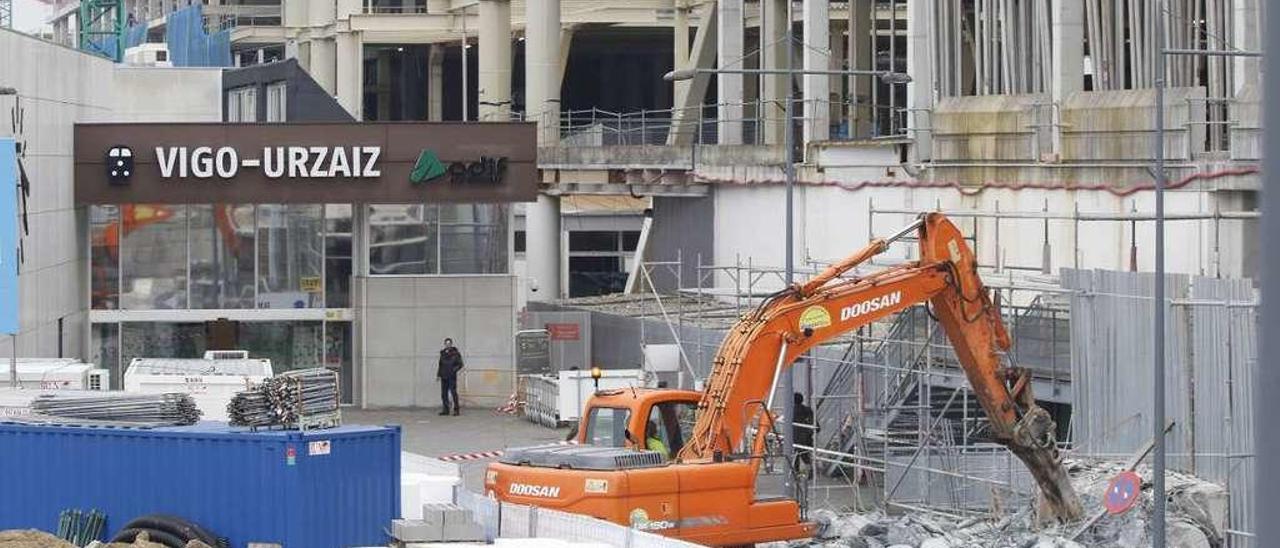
x: 907, y: 429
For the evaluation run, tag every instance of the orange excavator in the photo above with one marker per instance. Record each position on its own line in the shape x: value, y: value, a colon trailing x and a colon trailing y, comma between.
x: 678, y: 463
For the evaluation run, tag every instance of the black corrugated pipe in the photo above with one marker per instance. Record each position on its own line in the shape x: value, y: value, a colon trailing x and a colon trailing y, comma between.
x: 180, y: 529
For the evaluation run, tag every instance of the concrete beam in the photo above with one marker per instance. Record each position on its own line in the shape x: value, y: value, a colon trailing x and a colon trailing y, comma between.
x: 729, y: 86
x: 680, y: 42
x: 817, y: 56
x: 495, y: 61
x: 686, y: 117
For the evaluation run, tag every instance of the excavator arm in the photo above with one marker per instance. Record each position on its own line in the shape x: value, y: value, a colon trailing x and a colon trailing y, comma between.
x: 765, y: 342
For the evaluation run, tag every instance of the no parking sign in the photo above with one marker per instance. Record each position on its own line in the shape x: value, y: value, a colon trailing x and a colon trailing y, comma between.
x: 1122, y: 493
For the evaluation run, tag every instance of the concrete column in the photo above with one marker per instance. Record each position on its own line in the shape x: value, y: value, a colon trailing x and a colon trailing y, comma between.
x: 323, y: 63
x: 542, y: 251
x: 680, y: 44
x: 542, y: 71
x: 1068, y: 58
x: 687, y: 118
x: 495, y: 61
x: 859, y: 55
x: 350, y: 73
x: 729, y: 86
x: 435, y: 83
x: 1246, y: 36
x: 817, y: 56
x: 920, y: 92
x: 836, y: 62
x: 775, y: 29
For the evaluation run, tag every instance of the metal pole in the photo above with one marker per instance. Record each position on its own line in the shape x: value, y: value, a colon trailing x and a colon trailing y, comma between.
x: 788, y: 384
x: 1267, y: 379
x: 1157, y: 425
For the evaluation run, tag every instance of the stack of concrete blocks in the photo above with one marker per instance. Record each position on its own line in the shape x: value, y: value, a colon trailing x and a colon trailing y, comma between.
x: 441, y: 522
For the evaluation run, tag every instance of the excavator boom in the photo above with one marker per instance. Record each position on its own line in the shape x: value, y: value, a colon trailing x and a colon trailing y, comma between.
x: 708, y: 494
x: 765, y: 343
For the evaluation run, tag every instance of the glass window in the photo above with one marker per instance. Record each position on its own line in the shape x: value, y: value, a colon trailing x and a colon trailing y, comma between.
x: 104, y: 233
x: 276, y: 105
x: 403, y: 239
x: 337, y: 255
x: 105, y: 350
x: 593, y: 240
x: 444, y: 239
x: 670, y: 424
x: 596, y: 275
x: 606, y: 426
x: 519, y: 242
x: 290, y: 249
x: 473, y: 239
x: 630, y: 240
x: 337, y: 355
x: 160, y: 340
x: 222, y: 253
x: 242, y: 104
x: 288, y: 344
x: 153, y: 256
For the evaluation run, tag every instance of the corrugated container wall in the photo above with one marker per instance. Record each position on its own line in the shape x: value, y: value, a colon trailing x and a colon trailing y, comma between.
x: 326, y: 488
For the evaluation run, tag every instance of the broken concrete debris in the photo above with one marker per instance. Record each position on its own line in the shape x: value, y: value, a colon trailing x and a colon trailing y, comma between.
x: 1197, y: 518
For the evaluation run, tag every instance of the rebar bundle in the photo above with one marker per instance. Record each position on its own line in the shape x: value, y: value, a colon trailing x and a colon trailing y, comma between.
x: 297, y: 399
x: 168, y: 409
x: 80, y: 528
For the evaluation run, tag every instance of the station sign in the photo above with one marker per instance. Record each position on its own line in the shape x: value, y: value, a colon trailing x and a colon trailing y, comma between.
x: 305, y: 163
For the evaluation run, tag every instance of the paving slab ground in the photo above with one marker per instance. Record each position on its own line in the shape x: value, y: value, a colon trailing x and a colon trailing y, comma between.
x: 426, y: 433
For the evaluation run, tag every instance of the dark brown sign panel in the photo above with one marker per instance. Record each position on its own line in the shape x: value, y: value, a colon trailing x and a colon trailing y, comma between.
x: 398, y: 162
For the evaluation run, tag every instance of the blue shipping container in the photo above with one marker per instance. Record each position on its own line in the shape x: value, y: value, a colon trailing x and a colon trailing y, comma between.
x: 327, y: 488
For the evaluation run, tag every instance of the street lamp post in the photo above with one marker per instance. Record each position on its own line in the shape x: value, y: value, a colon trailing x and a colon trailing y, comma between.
x: 786, y: 383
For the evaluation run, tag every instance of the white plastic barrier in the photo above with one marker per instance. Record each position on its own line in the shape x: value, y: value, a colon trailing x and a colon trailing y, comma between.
x: 534, y: 526
x: 424, y: 480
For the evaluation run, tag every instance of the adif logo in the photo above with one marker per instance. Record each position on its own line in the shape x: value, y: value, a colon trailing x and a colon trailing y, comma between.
x: 119, y: 162
x: 526, y: 490
x: 870, y: 305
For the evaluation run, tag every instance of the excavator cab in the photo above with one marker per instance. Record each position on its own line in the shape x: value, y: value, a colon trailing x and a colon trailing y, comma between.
x: 640, y: 418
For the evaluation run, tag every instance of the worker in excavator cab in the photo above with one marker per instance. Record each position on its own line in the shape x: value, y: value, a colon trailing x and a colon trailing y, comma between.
x: 653, y: 442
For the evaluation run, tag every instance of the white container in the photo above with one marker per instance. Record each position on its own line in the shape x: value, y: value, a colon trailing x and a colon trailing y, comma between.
x: 61, y: 374
x: 210, y: 382
x: 576, y: 387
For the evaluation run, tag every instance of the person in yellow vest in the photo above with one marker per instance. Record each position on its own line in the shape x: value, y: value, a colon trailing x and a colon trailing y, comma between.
x: 653, y: 443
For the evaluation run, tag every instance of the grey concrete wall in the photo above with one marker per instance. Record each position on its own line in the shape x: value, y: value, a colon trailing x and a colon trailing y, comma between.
x: 57, y: 87
x: 402, y: 322
x: 683, y: 228
x: 305, y: 100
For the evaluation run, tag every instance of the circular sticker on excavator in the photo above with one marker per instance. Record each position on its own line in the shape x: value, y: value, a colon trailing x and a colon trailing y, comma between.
x: 815, y: 317
x: 639, y: 517
x: 1122, y: 493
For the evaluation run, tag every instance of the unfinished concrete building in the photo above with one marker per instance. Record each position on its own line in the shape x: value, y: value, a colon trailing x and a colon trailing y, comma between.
x: 1030, y: 121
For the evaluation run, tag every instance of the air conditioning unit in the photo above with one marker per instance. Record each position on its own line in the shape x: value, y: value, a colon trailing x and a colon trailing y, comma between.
x: 148, y: 55
x: 60, y: 374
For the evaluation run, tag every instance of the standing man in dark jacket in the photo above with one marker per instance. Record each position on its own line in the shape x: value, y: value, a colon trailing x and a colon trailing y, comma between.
x: 447, y: 372
x: 802, y: 430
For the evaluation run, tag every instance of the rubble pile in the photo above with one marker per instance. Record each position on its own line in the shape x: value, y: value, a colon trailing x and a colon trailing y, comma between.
x: 1197, y: 518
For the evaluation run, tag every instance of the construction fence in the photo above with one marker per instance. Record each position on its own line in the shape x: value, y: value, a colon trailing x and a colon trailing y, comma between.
x: 1211, y: 359
x: 506, y: 520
